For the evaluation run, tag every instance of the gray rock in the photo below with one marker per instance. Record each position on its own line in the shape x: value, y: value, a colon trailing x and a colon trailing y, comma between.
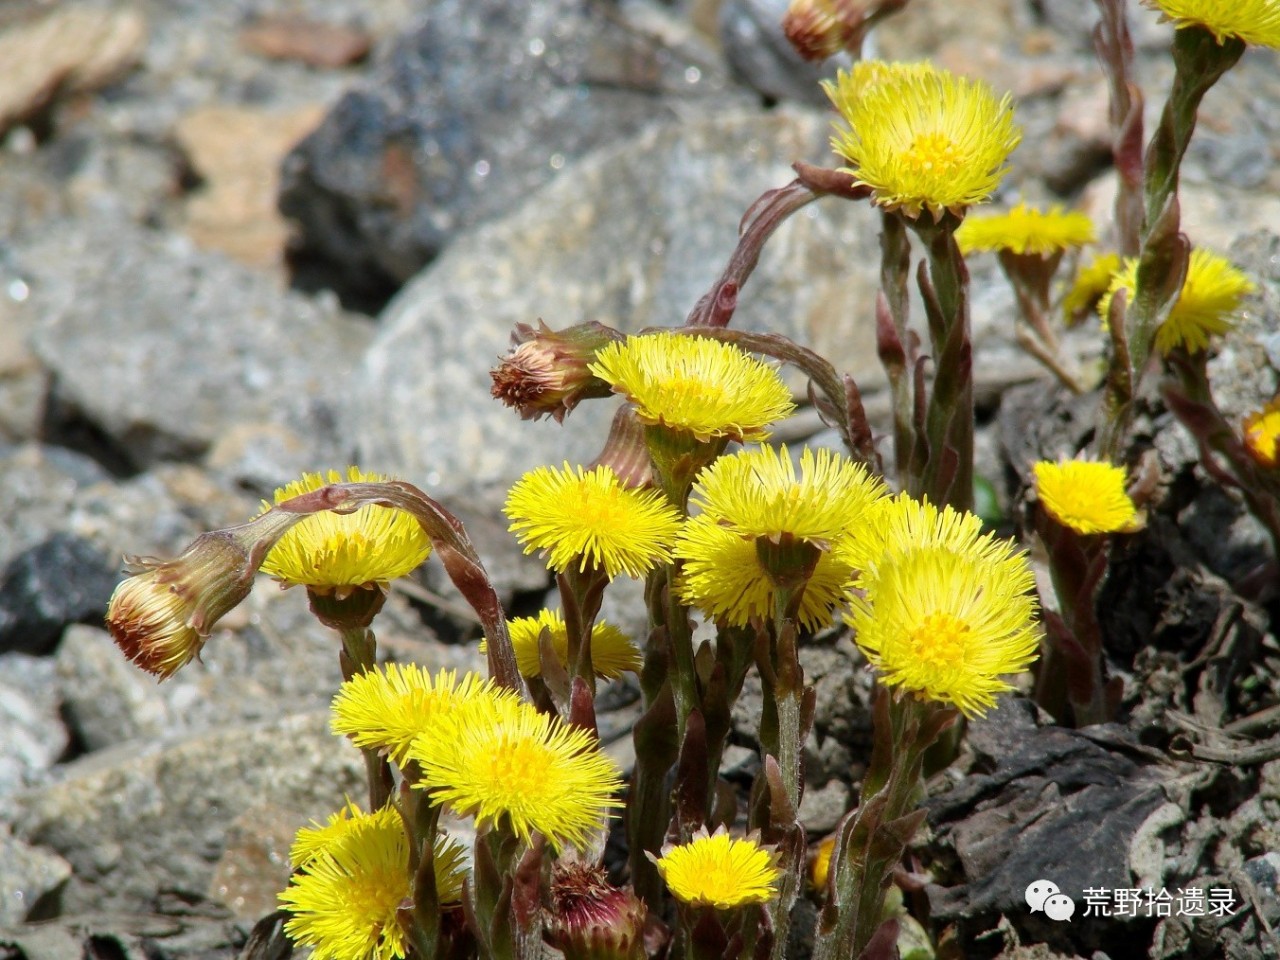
x: 60, y: 581
x: 632, y: 237
x: 134, y: 820
x: 822, y: 807
x: 474, y: 106
x: 28, y: 875
x: 33, y: 734
x: 40, y: 485
x: 164, y: 348
x: 762, y: 57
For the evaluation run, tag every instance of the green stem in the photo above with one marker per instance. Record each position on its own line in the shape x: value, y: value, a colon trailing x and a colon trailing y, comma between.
x: 359, y: 655
x: 892, y: 337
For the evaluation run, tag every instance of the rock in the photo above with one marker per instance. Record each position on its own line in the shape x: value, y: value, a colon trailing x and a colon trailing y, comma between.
x: 632, y: 237
x: 762, y: 57
x: 40, y: 485
x: 474, y: 107
x: 142, y: 818
x: 60, y: 581
x: 237, y: 153
x: 28, y: 877
x: 822, y: 807
x: 315, y: 43
x: 34, y: 734
x: 67, y: 50
x: 162, y: 348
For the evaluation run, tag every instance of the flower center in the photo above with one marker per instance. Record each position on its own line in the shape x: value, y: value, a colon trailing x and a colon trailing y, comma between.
x: 520, y: 768
x: 940, y: 641
x: 932, y: 154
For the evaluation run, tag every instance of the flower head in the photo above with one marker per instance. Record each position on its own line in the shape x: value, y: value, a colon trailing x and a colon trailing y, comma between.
x: 386, y: 709
x: 589, y: 519
x: 1026, y: 230
x: 590, y: 919
x: 612, y: 652
x: 338, y: 553
x: 695, y: 385
x: 1262, y: 434
x: 819, y: 29
x: 1253, y: 21
x: 1210, y: 293
x: 720, y: 871
x: 1087, y: 496
x: 1089, y: 287
x: 314, y: 840
x: 345, y: 896
x: 757, y: 492
x: 161, y: 616
x: 947, y: 625
x: 820, y: 867
x: 927, y: 140
x: 850, y: 85
x: 506, y: 763
x: 547, y: 372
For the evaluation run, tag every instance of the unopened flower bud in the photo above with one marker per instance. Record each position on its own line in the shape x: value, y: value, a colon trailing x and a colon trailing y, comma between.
x: 1262, y: 434
x: 547, y: 373
x: 593, y: 920
x: 819, y: 29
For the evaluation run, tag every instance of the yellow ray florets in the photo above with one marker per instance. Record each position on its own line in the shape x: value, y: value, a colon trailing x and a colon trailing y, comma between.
x: 946, y: 626
x: 1253, y: 21
x: 612, y: 651
x: 720, y: 871
x: 589, y: 519
x: 1087, y: 496
x: 386, y: 709
x: 505, y: 763
x: 927, y: 140
x: 1026, y: 230
x: 695, y: 385
x: 850, y: 85
x: 1089, y: 286
x: 1262, y: 434
x: 758, y: 493
x: 1210, y: 294
x: 328, y: 551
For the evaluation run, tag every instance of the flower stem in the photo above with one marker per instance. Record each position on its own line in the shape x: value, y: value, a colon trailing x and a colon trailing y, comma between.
x: 359, y: 655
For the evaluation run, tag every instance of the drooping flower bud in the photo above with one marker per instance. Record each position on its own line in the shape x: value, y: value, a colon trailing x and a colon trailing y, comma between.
x: 547, y: 373
x: 819, y: 29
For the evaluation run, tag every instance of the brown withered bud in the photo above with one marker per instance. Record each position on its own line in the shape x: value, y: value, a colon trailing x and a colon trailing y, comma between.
x: 819, y: 29
x: 591, y: 919
x: 546, y: 373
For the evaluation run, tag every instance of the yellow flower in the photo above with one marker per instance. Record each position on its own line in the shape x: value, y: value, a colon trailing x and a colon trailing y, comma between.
x: 849, y: 85
x: 161, y: 616
x: 504, y: 762
x: 339, y: 553
x: 820, y: 869
x: 695, y: 385
x: 945, y: 625
x: 353, y: 825
x: 387, y: 709
x: 927, y: 140
x: 612, y: 652
x: 590, y: 519
x: 1090, y: 285
x: 1253, y: 21
x: 719, y: 871
x: 1087, y: 496
x: 1262, y: 434
x: 723, y: 577
x: 1210, y: 293
x: 757, y: 493
x: 1026, y: 230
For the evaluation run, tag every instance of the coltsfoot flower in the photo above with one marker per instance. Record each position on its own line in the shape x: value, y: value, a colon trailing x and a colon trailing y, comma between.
x: 336, y: 553
x: 1087, y: 496
x: 927, y: 140
x: 612, y: 651
x: 696, y: 385
x: 587, y: 518
x: 310, y: 842
x: 1253, y: 21
x: 162, y: 614
x: 1026, y: 230
x: 720, y: 871
x: 1262, y: 434
x: 590, y: 919
x: 344, y: 899
x: 1089, y: 287
x: 507, y: 764
x: 386, y: 709
x: 1210, y: 294
x: 946, y: 626
x: 820, y: 867
x: 849, y: 85
x: 547, y: 372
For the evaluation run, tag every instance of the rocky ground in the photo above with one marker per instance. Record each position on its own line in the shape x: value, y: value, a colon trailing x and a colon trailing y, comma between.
x: 240, y: 239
